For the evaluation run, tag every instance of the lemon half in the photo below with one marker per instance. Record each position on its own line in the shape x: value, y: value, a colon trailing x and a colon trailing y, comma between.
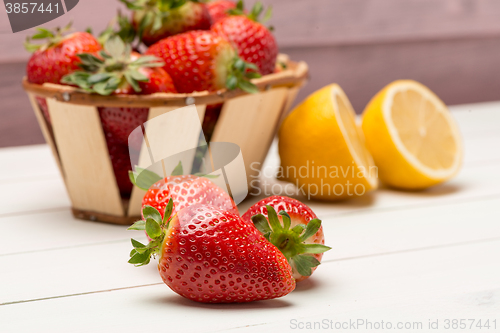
x: 412, y: 137
x: 322, y: 149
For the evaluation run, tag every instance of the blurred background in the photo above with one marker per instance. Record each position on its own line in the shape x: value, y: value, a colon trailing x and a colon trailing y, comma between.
x: 452, y: 46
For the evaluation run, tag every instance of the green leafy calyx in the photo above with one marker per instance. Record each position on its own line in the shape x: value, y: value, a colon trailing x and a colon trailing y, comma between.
x: 254, y: 14
x: 52, y: 37
x: 156, y: 227
x: 153, y: 14
x: 239, y: 75
x: 125, y: 31
x: 291, y: 241
x: 144, y: 179
x: 112, y: 68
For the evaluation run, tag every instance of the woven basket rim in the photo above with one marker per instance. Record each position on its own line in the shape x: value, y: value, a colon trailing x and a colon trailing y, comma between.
x: 295, y: 75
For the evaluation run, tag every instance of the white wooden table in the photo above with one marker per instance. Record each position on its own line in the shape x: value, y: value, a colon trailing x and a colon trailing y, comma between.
x: 401, y: 258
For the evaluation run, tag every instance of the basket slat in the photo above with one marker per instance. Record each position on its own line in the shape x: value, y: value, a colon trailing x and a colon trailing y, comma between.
x: 250, y: 122
x: 85, y: 159
x: 47, y: 134
x: 159, y: 146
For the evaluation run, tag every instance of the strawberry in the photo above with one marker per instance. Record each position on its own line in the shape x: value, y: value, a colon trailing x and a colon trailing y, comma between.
x: 203, y: 60
x: 120, y: 160
x: 296, y: 232
x: 219, y: 9
x: 120, y: 122
x: 212, y: 113
x: 186, y: 190
x: 116, y: 70
x: 56, y: 57
x: 119, y: 71
x: 210, y: 255
x: 255, y: 43
x: 155, y: 20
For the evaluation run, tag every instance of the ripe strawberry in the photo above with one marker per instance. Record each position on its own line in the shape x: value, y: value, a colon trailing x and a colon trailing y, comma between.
x: 56, y: 57
x: 120, y: 160
x: 120, y: 122
x: 209, y: 255
x: 255, y: 43
x: 212, y: 113
x: 219, y: 9
x: 296, y: 232
x: 203, y: 60
x: 155, y: 20
x: 119, y: 71
x: 186, y: 190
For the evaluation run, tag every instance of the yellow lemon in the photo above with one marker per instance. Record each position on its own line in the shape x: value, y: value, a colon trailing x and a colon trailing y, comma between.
x: 322, y: 150
x: 412, y: 137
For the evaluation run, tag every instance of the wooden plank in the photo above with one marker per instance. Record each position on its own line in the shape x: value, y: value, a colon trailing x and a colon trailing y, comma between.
x: 57, y: 229
x: 85, y: 159
x: 34, y: 161
x: 461, y: 281
x: 32, y: 195
x: 166, y: 133
x: 251, y: 122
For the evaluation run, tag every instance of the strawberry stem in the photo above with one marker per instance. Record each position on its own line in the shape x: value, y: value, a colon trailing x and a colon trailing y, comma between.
x: 239, y: 75
x: 156, y: 228
x: 53, y: 37
x: 291, y: 242
x: 254, y: 14
x: 113, y: 69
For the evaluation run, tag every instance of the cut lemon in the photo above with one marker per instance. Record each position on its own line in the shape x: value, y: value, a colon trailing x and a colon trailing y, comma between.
x: 322, y: 150
x: 412, y: 137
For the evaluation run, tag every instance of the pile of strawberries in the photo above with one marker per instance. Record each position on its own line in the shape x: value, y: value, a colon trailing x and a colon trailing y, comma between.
x: 170, y: 46
x: 208, y: 253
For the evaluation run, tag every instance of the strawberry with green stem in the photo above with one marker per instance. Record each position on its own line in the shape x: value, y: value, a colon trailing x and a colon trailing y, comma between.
x: 154, y: 20
x: 184, y: 190
x: 56, y: 57
x: 295, y: 231
x: 255, y: 42
x: 203, y: 60
x: 117, y: 70
x: 209, y: 255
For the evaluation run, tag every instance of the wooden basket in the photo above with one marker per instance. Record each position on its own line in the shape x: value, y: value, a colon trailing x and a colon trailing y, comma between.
x: 78, y: 144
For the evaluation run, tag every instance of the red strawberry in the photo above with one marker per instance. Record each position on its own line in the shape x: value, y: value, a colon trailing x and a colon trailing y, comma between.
x: 56, y: 58
x: 296, y: 232
x: 212, y: 113
x: 218, y: 9
x: 120, y: 122
x: 203, y: 60
x: 120, y: 160
x: 187, y: 190
x: 255, y: 43
x: 209, y: 255
x: 42, y: 104
x: 122, y: 72
x: 158, y: 19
